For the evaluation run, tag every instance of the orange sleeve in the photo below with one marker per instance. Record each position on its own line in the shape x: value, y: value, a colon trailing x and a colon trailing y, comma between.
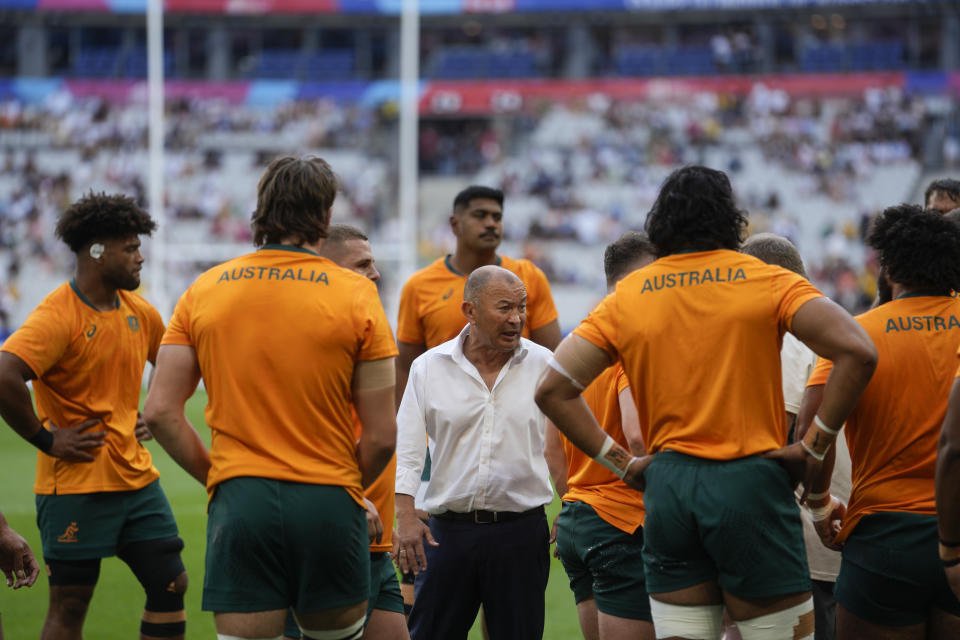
x: 622, y: 382
x: 179, y: 330
x: 156, y: 332
x: 820, y: 373
x: 373, y: 330
x: 409, y: 327
x: 42, y: 339
x: 958, y: 368
x: 541, y: 309
x: 600, y: 327
x: 793, y: 291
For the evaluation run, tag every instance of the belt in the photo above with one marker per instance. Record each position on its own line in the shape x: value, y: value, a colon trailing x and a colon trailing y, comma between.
x: 487, y: 517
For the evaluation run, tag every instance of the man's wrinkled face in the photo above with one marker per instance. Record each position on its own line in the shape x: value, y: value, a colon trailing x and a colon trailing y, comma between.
x: 479, y: 225
x: 499, y: 314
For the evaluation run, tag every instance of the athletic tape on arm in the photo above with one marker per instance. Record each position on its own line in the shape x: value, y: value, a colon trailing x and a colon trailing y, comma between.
x: 677, y: 621
x: 579, y: 360
x: 370, y: 375
x: 795, y: 623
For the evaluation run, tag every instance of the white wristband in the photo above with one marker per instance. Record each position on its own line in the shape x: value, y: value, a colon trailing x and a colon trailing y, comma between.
x: 601, y: 458
x: 819, y: 514
x: 830, y: 432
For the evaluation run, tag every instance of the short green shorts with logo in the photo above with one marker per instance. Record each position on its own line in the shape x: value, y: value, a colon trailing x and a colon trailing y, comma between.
x: 603, y: 562
x: 735, y: 522
x: 273, y: 544
x: 85, y: 526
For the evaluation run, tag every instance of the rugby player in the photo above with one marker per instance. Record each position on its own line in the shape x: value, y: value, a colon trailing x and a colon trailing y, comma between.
x: 599, y: 531
x: 698, y: 334
x: 891, y: 583
x: 98, y: 494
x: 286, y: 342
x: 350, y: 248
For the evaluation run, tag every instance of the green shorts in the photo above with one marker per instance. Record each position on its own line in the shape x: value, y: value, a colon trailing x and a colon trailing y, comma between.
x: 273, y: 544
x: 384, y: 592
x: 891, y: 573
x: 603, y: 562
x: 384, y: 586
x: 735, y: 522
x: 85, y: 526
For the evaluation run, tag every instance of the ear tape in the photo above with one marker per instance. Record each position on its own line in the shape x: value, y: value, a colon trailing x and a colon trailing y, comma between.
x: 96, y: 250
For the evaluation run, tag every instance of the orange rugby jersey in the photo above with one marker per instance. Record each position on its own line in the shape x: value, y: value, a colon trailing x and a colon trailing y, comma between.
x: 893, y: 431
x: 89, y: 364
x: 590, y: 482
x: 430, y: 301
x: 699, y: 336
x: 381, y: 494
x: 277, y: 334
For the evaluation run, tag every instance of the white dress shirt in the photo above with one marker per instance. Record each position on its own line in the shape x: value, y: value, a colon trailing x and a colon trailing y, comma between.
x: 487, y: 445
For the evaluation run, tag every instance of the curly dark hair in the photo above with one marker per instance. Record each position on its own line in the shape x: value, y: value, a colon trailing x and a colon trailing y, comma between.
x: 293, y: 201
x: 99, y: 216
x: 948, y: 186
x: 695, y: 210
x: 917, y: 249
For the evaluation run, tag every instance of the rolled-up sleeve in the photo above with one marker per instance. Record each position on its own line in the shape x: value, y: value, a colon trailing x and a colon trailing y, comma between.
x: 411, y: 434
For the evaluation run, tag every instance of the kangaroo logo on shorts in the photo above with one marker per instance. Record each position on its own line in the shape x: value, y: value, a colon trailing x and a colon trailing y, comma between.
x: 91, y: 331
x: 448, y: 293
x: 134, y: 323
x: 70, y: 535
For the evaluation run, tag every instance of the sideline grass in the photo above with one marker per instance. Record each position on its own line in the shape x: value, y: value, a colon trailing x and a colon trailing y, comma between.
x: 118, y: 601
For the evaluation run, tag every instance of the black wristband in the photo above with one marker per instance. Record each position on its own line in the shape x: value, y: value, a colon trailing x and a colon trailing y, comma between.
x: 42, y: 440
x: 950, y: 563
x: 951, y: 545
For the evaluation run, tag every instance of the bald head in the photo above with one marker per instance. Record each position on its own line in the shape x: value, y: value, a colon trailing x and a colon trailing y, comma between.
x: 483, y: 277
x: 774, y: 249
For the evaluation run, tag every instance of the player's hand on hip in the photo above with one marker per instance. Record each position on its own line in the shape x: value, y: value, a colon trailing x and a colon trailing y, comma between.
x: 374, y: 524
x: 17, y: 561
x: 827, y: 514
x: 76, y: 443
x: 411, y: 532
x: 635, y: 470
x: 142, y: 431
x: 799, y: 465
x: 553, y: 535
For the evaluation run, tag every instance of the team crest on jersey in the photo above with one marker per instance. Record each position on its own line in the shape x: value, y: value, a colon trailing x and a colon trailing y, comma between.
x: 91, y: 331
x: 448, y: 293
x: 134, y: 323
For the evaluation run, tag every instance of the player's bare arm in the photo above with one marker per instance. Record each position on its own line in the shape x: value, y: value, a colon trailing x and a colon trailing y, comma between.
x: 948, y: 490
x: 630, y: 423
x: 577, y: 363
x: 549, y: 335
x: 373, y: 394
x: 408, y: 353
x: 831, y: 333
x: 70, y: 442
x: 178, y: 373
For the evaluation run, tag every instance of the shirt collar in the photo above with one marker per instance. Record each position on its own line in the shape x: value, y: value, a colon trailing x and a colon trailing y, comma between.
x: 453, y: 349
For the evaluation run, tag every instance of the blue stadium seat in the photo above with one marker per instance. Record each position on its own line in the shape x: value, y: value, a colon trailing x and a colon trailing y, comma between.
x: 332, y: 64
x: 471, y: 62
x: 96, y: 62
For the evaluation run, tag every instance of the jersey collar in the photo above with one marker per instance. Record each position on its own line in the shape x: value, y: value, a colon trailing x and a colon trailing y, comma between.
x: 288, y: 247
x: 83, y: 298
x: 449, y: 264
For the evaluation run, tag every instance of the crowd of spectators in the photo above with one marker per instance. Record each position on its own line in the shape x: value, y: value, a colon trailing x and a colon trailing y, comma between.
x: 578, y: 173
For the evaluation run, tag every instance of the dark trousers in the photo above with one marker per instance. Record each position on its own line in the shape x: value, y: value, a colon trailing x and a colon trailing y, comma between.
x: 825, y: 610
x: 503, y: 566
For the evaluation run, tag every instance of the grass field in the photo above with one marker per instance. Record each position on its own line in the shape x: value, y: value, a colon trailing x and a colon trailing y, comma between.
x: 115, y: 610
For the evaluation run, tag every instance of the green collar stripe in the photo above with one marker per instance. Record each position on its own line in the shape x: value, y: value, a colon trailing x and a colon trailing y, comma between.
x: 83, y: 298
x: 288, y: 247
x: 449, y: 264
x: 921, y: 293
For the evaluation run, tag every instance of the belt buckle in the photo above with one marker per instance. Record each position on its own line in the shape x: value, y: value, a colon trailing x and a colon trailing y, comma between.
x: 488, y: 517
